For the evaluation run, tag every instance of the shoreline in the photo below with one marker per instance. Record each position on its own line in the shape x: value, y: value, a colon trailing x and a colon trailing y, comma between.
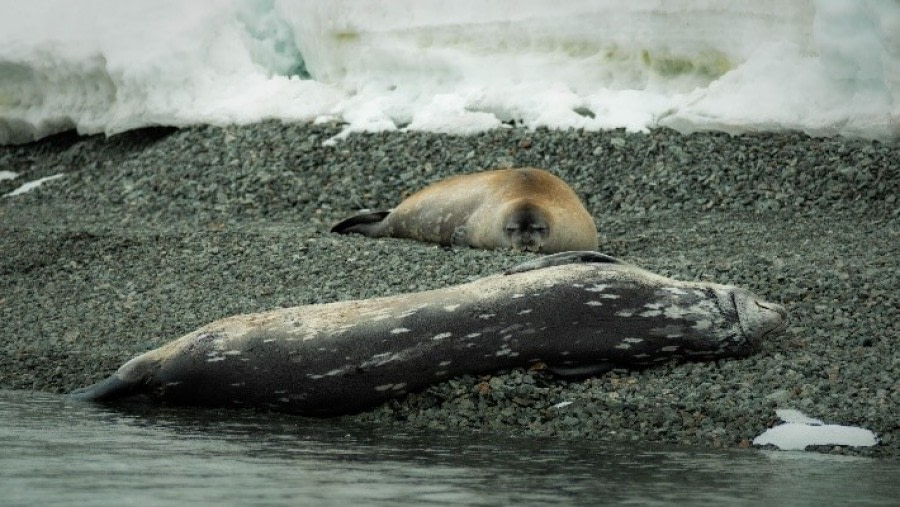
x: 153, y: 233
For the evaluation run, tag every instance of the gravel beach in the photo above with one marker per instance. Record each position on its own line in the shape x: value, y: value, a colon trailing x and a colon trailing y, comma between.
x: 152, y: 233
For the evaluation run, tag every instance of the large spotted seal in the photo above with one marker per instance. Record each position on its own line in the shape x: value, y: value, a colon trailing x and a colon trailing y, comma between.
x: 579, y: 312
x: 524, y: 209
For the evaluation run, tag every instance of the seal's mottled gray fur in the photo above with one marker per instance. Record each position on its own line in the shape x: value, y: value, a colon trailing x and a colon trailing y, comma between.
x: 578, y: 312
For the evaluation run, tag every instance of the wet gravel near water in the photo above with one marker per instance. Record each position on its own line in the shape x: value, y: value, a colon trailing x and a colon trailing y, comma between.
x: 153, y: 233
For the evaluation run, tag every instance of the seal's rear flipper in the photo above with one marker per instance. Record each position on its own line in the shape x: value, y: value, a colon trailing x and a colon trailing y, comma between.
x: 573, y: 257
x: 110, y: 389
x: 365, y: 223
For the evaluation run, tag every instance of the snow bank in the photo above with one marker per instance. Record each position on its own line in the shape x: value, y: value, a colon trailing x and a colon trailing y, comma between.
x: 825, y: 67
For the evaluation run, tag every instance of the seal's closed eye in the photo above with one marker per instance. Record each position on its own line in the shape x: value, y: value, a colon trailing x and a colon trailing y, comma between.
x: 574, y: 257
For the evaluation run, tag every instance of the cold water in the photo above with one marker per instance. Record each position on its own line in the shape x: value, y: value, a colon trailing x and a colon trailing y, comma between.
x: 57, y: 452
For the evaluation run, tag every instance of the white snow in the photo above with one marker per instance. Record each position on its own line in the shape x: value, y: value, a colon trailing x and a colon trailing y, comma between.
x: 800, y: 431
x: 821, y: 66
x: 8, y: 175
x: 31, y: 185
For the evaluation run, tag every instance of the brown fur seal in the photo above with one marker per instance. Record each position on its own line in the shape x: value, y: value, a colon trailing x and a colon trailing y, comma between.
x: 524, y: 209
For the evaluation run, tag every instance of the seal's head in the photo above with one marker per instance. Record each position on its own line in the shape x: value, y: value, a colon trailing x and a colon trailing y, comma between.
x: 650, y: 318
x: 526, y: 227
x: 708, y: 320
x: 758, y: 318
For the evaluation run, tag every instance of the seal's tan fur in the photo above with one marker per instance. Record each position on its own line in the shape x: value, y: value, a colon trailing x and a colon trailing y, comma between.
x: 482, y: 210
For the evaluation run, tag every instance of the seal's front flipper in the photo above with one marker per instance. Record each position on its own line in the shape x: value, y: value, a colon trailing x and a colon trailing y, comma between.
x: 110, y: 389
x: 366, y: 224
x: 460, y: 237
x: 559, y: 259
x: 582, y: 370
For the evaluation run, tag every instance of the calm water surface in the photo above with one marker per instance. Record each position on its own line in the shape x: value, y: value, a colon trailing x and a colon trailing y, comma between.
x: 56, y: 452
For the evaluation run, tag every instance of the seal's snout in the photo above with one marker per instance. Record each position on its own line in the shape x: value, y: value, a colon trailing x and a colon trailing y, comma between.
x: 772, y: 307
x: 758, y: 318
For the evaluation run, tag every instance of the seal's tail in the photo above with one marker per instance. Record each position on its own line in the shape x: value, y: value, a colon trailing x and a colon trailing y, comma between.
x: 110, y: 389
x: 364, y: 223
